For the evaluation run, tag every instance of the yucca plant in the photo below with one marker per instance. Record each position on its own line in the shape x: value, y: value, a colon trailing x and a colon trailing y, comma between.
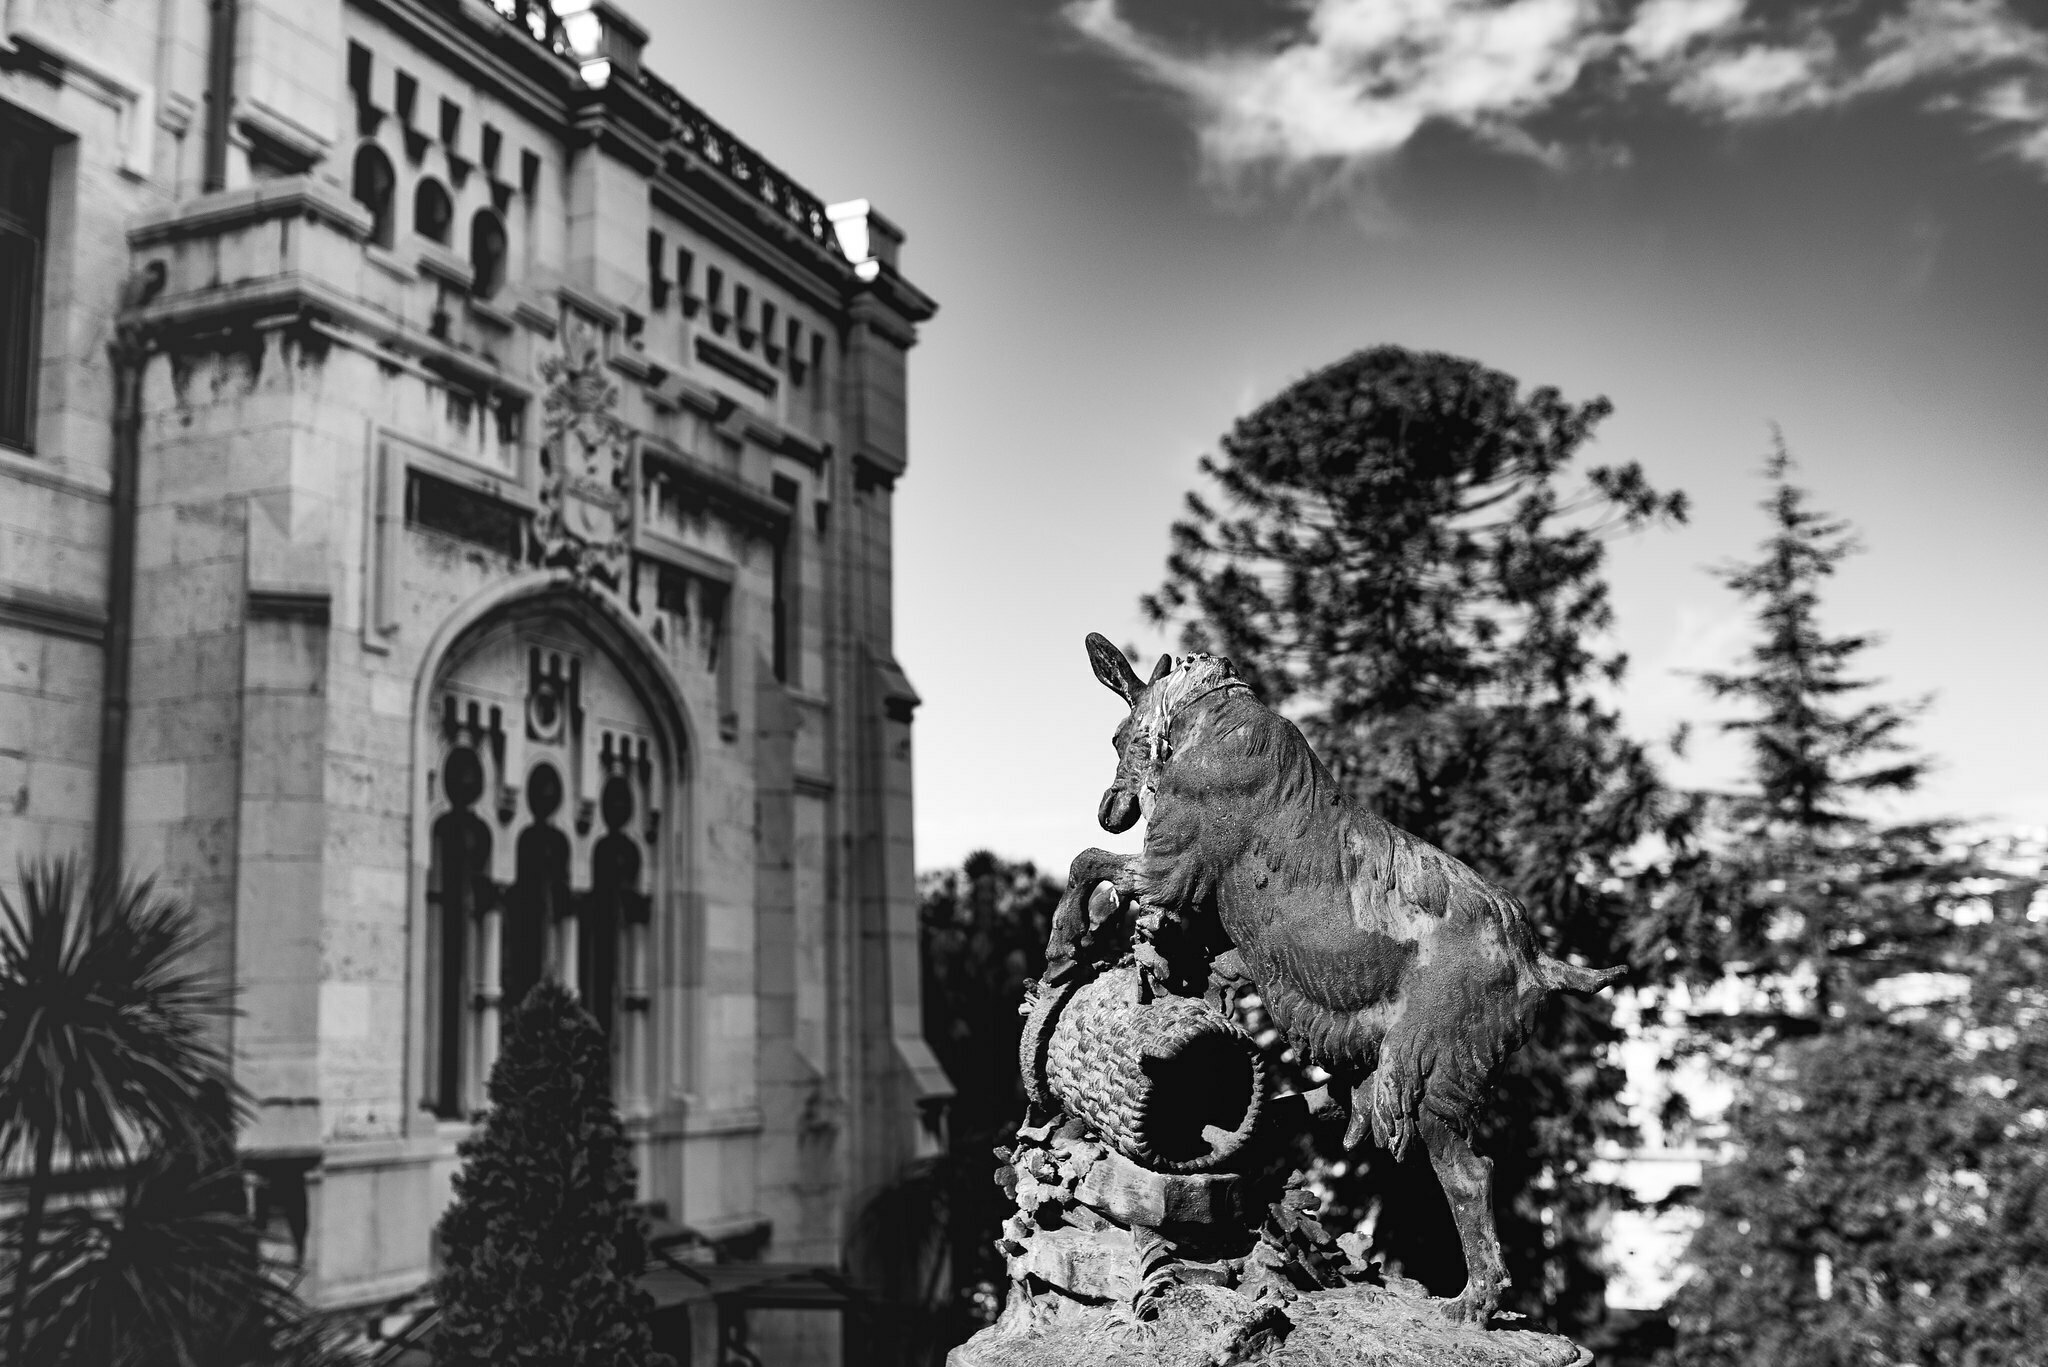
x: 105, y: 1057
x: 170, y: 1274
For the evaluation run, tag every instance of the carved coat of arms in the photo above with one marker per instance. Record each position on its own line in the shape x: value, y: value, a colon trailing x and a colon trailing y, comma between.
x: 586, y: 468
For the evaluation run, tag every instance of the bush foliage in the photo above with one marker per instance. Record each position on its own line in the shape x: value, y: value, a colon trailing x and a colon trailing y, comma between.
x: 543, y: 1244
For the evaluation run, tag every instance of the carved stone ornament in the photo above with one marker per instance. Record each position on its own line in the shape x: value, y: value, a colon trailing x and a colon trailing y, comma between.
x: 586, y: 491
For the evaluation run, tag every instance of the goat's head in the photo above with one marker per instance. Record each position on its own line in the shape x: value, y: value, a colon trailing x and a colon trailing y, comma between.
x: 1139, y: 737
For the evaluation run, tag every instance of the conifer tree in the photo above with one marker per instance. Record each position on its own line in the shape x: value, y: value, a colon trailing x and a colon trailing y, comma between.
x: 542, y: 1242
x: 1405, y: 564
x: 1889, y: 1198
x: 1885, y: 1199
x: 1789, y: 884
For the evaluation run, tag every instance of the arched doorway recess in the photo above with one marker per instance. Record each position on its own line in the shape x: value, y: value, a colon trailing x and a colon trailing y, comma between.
x: 553, y: 766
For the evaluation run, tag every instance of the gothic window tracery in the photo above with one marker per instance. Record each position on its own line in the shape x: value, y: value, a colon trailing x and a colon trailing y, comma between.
x: 544, y: 850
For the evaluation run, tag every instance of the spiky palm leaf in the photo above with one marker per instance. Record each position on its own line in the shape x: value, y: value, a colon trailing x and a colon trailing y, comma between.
x: 103, y: 1017
x: 104, y: 1051
x: 169, y: 1276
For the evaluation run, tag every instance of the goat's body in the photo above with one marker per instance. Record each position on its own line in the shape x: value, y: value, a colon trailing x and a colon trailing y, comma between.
x: 1382, y: 959
x: 1374, y: 952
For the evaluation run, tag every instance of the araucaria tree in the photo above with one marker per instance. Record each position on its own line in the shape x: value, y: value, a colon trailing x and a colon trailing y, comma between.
x: 543, y: 1244
x: 1406, y: 563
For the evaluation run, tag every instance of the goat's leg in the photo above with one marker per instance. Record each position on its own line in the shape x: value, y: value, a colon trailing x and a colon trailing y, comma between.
x: 1467, y: 1179
x: 1361, y: 1113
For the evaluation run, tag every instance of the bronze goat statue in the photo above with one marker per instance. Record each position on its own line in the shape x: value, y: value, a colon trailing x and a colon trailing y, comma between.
x: 1387, y: 963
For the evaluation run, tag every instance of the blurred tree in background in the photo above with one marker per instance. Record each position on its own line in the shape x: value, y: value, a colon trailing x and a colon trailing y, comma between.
x: 1406, y: 564
x: 1886, y: 1202
x: 984, y: 927
x: 1788, y: 885
x: 1889, y: 1200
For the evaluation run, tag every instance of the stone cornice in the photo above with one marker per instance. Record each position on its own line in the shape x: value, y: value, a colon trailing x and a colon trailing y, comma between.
x: 185, y: 321
x: 894, y: 307
x: 750, y: 508
x: 483, y: 46
x: 225, y: 210
x: 53, y: 614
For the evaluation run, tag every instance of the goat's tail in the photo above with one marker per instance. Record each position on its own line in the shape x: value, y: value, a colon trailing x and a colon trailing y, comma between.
x: 1560, y: 976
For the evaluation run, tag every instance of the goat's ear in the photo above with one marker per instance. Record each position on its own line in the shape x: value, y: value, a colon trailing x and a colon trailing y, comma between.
x: 1112, y: 668
x: 1160, y: 670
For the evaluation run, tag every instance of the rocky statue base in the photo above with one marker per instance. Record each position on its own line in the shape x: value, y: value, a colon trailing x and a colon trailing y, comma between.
x: 1205, y: 1326
x: 1162, y: 1216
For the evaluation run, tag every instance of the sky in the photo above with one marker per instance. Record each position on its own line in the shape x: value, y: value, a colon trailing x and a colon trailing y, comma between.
x: 1141, y: 218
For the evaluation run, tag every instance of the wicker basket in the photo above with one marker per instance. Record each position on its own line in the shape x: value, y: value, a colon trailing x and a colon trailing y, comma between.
x: 1173, y: 1084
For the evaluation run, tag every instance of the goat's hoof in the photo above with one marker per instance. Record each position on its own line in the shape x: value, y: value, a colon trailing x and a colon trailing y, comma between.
x: 1468, y: 1308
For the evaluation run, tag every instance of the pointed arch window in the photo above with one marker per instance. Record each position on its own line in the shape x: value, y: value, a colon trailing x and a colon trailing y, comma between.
x: 375, y: 187
x: 432, y: 210
x: 546, y: 857
x: 486, y: 253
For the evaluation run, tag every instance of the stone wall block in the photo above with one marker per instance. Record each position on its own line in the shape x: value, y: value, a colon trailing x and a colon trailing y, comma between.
x: 199, y: 851
x: 181, y: 729
x: 288, y: 829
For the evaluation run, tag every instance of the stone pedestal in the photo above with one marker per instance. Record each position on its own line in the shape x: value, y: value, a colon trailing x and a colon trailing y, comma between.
x: 1162, y: 1217
x: 1202, y: 1326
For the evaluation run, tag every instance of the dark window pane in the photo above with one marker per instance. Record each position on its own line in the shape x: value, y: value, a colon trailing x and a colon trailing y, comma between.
x: 487, y: 253
x: 431, y: 211
x: 20, y: 261
x: 438, y: 505
x: 374, y: 183
x: 24, y: 193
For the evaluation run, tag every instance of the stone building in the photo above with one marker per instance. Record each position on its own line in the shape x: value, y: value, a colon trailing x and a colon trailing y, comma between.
x: 445, y: 488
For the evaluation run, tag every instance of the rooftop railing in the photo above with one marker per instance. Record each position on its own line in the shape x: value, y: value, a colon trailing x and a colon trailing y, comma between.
x: 577, y: 37
x: 698, y: 132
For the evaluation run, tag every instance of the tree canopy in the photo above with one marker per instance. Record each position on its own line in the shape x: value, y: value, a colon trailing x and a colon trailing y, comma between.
x: 1884, y: 1201
x: 1399, y: 553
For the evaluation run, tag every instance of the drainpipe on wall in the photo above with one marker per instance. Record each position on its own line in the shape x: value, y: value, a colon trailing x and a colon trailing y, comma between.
x: 220, y: 93
x: 128, y: 353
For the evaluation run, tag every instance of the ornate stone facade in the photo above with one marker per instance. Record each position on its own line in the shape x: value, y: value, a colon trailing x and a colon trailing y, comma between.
x: 445, y: 535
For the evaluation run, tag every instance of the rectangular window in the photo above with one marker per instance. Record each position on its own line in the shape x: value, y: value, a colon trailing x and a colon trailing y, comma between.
x: 657, y: 258
x: 359, y: 67
x: 24, y: 197
x: 405, y: 93
x: 686, y: 281
x: 783, y: 591
x: 442, y: 506
x: 714, y: 295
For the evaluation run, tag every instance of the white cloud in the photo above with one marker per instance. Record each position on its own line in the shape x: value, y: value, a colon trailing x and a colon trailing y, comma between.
x: 1368, y: 73
x: 1363, y: 76
x: 1661, y: 29
x: 1756, y: 82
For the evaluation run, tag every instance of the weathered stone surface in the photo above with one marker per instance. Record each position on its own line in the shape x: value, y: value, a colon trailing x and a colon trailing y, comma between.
x: 1133, y: 1195
x: 1200, y: 1326
x: 1095, y: 1264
